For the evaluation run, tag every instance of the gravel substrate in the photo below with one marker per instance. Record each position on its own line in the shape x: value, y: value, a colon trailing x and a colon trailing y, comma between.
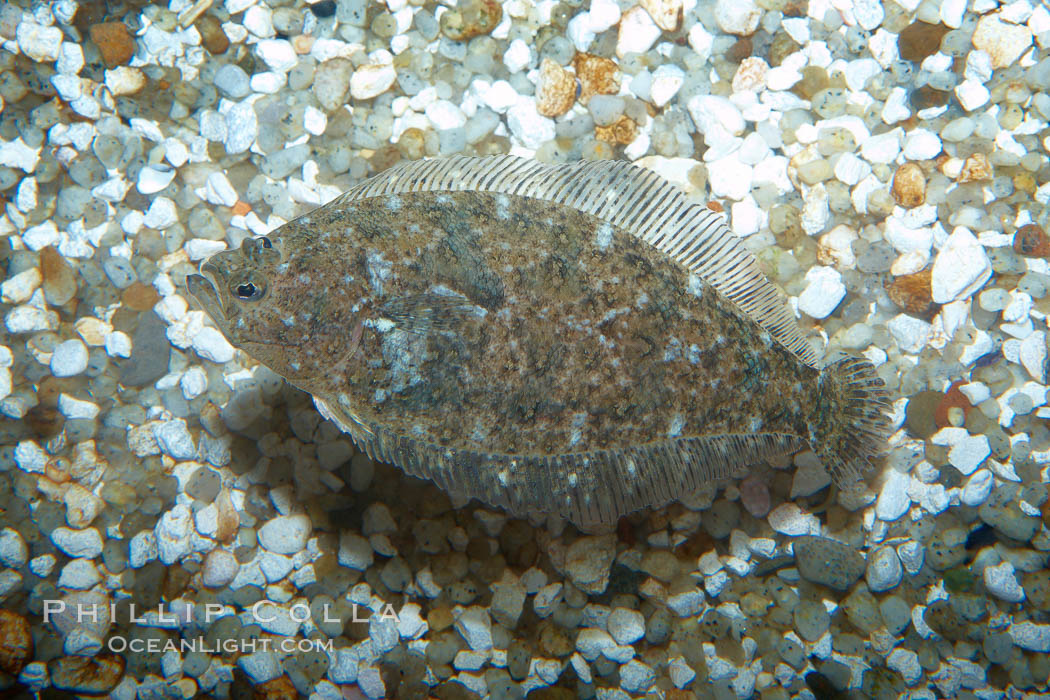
x: 887, y: 163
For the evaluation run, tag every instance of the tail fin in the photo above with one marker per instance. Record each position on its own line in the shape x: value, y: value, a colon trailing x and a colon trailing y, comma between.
x: 851, y: 422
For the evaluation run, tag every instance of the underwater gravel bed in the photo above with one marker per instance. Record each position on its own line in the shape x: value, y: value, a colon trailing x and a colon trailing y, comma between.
x: 887, y: 164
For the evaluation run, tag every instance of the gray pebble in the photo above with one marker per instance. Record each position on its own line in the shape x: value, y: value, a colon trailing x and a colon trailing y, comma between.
x: 232, y: 81
x: 150, y: 351
x: 606, y: 109
x: 204, y: 484
x: 828, y: 562
x: 119, y: 271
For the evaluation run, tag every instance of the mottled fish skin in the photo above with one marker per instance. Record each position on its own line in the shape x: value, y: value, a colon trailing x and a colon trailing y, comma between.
x: 504, y: 332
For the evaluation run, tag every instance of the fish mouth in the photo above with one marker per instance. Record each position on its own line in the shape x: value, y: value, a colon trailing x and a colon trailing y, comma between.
x: 206, y: 292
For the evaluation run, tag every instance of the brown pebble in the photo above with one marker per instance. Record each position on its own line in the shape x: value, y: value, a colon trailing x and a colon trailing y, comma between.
x: 86, y: 675
x: 60, y: 281
x: 241, y: 208
x: 953, y: 398
x: 1031, y: 241
x: 679, y: 694
x: 942, y: 619
x: 212, y: 35
x: 555, y: 90
x: 1037, y: 583
x: 597, y: 76
x: 412, y: 143
x: 740, y: 50
x: 622, y: 132
x: 16, y: 643
x: 781, y: 47
x: 114, y: 42
x: 439, y: 618
x: 553, y: 641
x: 919, y: 40
x: 909, y: 186
x: 45, y: 421
x: 227, y: 520
x: 926, y: 97
x: 470, y: 19
x: 976, y: 168
x: 140, y: 297
x: 279, y: 688
x: 913, y: 293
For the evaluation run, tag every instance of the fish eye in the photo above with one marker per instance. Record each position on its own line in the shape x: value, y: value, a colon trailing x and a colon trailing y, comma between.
x: 266, y: 243
x: 248, y: 291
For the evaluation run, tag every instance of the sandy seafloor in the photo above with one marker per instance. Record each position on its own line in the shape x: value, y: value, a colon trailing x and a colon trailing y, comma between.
x: 886, y: 162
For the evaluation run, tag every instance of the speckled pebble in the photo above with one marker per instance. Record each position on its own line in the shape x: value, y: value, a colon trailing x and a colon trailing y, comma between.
x: 828, y: 562
x: 884, y: 571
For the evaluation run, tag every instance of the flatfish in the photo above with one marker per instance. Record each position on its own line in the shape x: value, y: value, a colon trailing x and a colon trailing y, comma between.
x: 571, y: 339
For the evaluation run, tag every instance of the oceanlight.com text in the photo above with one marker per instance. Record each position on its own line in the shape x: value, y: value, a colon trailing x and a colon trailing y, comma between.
x: 286, y: 645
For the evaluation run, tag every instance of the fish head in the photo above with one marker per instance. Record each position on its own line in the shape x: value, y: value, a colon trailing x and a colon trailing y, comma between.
x: 250, y: 296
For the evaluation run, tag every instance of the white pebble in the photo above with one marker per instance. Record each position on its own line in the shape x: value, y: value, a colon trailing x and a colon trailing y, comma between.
x: 667, y: 80
x: 625, y: 625
x: 906, y: 663
x: 70, y: 59
x: 850, y: 169
x: 518, y: 56
x: 193, y: 382
x: 201, y: 248
x: 118, y: 344
x: 1033, y: 355
x: 161, y: 214
x: 445, y: 115
x: 921, y: 144
x: 882, y: 148
x: 211, y: 345
x: 638, y: 32
x: 715, y: 115
x: 285, y: 534
x: 893, y: 499
x: 728, y: 177
x: 1001, y: 583
x: 971, y: 95
x: 20, y: 287
x: 13, y: 549
x: 969, y: 453
x: 868, y: 13
x: 824, y: 290
x: 278, y: 54
x: 220, y: 567
x: 79, y: 574
x: 86, y: 543
x: 40, y: 43
x: 896, y: 107
x: 529, y: 126
x: 259, y: 21
x: 314, y: 120
x: 909, y: 332
x: 960, y: 268
x: 372, y: 80
x: 74, y: 408
x: 154, y: 178
x: 739, y: 17
x: 789, y: 519
x: 69, y: 358
x: 977, y: 488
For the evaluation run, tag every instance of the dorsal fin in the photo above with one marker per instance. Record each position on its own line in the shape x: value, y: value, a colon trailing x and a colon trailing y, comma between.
x: 636, y: 200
